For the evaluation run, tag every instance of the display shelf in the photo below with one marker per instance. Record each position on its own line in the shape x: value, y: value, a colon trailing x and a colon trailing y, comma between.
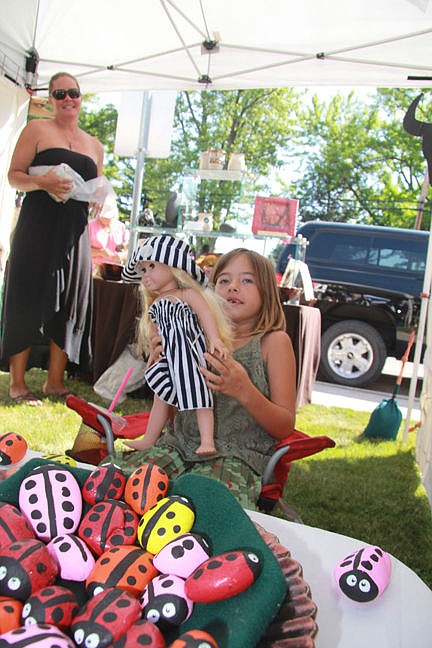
x: 215, y: 174
x: 174, y: 231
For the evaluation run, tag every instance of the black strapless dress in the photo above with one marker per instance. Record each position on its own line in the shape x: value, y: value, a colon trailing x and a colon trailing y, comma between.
x: 48, y: 282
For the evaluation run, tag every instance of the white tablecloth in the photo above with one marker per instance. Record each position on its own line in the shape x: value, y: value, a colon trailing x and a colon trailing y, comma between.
x: 400, y: 617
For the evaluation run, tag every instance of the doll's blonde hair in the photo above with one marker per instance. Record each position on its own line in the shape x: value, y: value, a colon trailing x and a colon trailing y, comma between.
x: 184, y: 280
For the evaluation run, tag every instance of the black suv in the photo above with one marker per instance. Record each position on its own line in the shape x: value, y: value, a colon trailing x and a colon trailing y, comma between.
x: 367, y: 282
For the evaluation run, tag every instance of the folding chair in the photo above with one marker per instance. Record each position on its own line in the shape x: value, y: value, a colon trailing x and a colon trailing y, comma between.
x: 100, y: 428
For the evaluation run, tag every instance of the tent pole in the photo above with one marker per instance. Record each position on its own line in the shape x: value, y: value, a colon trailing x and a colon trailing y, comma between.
x: 425, y: 296
x: 139, y: 170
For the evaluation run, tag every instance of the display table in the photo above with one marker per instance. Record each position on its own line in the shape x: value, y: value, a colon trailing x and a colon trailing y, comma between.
x: 116, y: 307
x: 401, y: 616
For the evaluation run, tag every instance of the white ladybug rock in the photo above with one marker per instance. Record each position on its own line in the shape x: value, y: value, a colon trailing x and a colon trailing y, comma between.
x: 50, y: 498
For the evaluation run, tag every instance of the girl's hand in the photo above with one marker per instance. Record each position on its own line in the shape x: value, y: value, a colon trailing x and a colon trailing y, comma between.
x: 230, y: 379
x: 95, y: 209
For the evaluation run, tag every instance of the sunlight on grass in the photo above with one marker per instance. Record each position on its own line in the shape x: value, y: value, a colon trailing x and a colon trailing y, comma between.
x: 363, y: 488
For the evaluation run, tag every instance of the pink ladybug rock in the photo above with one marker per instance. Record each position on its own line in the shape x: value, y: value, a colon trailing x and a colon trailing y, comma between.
x: 141, y: 633
x: 104, y: 618
x: 55, y: 605
x: 223, y: 576
x: 164, y: 601
x: 50, y: 498
x: 13, y: 525
x: 73, y: 557
x: 25, y: 567
x: 364, y: 575
x: 182, y: 555
x: 106, y: 482
x: 36, y: 635
x: 108, y: 524
x: 12, y: 448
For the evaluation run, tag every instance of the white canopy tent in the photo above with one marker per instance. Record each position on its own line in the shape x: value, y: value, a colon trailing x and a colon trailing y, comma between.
x: 211, y: 44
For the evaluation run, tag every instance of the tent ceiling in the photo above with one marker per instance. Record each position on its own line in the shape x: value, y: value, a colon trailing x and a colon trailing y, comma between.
x: 157, y: 44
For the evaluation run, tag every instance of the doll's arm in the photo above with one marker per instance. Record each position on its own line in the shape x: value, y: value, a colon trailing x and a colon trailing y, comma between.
x: 207, y: 321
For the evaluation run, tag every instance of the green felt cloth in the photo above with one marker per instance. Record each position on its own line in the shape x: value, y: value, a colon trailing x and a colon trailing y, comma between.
x: 237, y: 622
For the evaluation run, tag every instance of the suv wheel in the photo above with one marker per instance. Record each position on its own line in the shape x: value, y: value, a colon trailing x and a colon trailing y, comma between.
x: 352, y: 353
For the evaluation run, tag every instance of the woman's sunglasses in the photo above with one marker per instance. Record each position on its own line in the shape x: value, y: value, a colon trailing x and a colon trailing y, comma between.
x: 73, y: 93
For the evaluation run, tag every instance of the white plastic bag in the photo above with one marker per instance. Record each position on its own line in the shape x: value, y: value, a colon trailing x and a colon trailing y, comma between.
x: 95, y: 190
x: 108, y: 383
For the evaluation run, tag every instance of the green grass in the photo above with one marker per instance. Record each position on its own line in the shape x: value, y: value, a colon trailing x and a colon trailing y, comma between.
x: 367, y: 489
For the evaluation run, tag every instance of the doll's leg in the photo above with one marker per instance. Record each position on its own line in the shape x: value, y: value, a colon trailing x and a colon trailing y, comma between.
x: 159, y: 414
x: 205, y: 418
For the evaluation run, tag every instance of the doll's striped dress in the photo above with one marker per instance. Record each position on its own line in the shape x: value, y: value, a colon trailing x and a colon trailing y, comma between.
x: 176, y: 378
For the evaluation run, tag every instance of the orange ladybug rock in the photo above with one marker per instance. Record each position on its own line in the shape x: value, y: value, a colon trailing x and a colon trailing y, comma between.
x: 194, y: 639
x: 10, y: 614
x: 145, y: 487
x: 129, y: 568
x: 12, y: 448
x: 141, y: 633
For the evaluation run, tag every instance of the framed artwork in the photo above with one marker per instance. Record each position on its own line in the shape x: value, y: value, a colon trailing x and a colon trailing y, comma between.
x: 278, y: 215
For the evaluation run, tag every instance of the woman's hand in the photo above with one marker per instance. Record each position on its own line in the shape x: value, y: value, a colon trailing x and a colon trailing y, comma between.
x: 230, y: 378
x: 58, y: 186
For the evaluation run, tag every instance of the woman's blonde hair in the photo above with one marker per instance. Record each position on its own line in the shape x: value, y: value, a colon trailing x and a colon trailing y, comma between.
x: 271, y: 316
x: 184, y: 280
x: 61, y: 74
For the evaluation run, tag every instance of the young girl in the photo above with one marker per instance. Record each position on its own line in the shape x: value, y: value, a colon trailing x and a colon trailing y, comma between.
x: 255, y: 388
x: 185, y: 315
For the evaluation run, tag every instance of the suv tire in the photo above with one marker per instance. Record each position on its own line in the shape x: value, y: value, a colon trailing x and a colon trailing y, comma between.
x: 352, y: 353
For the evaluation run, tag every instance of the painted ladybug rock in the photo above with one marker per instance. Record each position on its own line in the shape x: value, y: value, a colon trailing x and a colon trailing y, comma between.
x: 36, y: 635
x: 183, y: 555
x: 164, y: 601
x: 129, y: 568
x: 364, y: 575
x: 74, y: 559
x: 108, y: 524
x: 13, y: 525
x: 194, y: 639
x: 25, y: 567
x: 55, y: 605
x: 168, y: 519
x: 60, y: 458
x: 50, y: 497
x: 107, y: 482
x: 141, y: 633
x: 12, y: 448
x: 147, y: 485
x: 10, y: 614
x: 223, y: 576
x: 104, y: 618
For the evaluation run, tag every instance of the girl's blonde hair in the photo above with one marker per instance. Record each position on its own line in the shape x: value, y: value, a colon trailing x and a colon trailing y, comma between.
x: 271, y: 316
x: 184, y: 280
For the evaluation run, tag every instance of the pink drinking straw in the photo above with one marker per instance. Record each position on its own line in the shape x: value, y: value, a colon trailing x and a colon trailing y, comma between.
x: 120, y: 389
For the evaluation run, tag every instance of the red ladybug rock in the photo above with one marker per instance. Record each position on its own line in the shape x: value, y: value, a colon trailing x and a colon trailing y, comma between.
x: 25, y: 567
x: 13, y: 525
x: 55, y: 605
x: 223, y: 576
x: 10, y: 614
x: 129, y: 568
x: 50, y: 498
x: 195, y: 639
x: 141, y: 633
x: 74, y: 559
x: 145, y: 487
x: 108, y: 524
x: 12, y: 448
x: 36, y: 635
x: 104, y: 618
x: 106, y: 482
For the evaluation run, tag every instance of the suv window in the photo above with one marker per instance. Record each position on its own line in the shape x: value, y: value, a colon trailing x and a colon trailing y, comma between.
x: 403, y: 255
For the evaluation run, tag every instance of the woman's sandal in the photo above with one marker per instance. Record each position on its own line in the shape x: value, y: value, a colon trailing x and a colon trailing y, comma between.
x: 27, y: 399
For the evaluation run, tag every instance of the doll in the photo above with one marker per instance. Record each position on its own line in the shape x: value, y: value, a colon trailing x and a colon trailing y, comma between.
x: 190, y: 320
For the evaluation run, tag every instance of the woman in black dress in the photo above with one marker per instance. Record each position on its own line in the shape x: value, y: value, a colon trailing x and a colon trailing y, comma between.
x: 48, y: 278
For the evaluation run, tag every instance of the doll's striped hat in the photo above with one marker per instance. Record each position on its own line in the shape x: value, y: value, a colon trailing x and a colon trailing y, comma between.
x: 165, y: 249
